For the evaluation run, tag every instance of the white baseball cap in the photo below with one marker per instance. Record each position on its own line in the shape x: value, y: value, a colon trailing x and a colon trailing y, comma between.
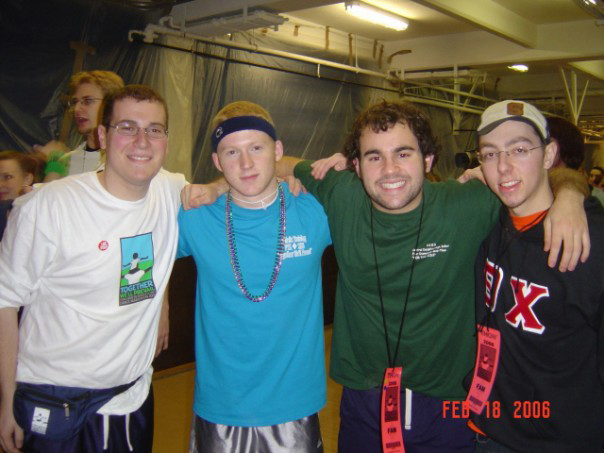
x: 502, y: 111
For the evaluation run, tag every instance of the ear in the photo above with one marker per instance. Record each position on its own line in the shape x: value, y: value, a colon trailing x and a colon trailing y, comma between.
x: 28, y: 179
x: 216, y: 161
x: 428, y: 160
x: 102, y: 132
x: 549, y: 154
x: 278, y: 150
x: 554, y: 142
x: 357, y: 167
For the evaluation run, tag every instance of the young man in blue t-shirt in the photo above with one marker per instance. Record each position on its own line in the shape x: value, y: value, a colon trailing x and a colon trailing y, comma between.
x: 259, y: 322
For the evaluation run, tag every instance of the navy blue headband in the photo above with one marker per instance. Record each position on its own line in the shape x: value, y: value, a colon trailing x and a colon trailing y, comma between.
x: 241, y: 123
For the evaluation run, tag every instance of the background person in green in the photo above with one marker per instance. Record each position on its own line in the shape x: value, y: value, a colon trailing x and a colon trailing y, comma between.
x: 405, y: 249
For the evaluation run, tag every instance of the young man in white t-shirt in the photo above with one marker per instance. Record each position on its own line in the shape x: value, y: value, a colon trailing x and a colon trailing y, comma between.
x: 64, y: 260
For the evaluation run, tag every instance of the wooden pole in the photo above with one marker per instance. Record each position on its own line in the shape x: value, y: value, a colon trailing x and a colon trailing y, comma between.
x: 81, y: 50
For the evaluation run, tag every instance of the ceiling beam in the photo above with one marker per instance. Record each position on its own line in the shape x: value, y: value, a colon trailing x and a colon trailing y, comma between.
x: 285, y: 6
x: 592, y: 68
x: 577, y: 41
x: 490, y: 16
x: 199, y: 9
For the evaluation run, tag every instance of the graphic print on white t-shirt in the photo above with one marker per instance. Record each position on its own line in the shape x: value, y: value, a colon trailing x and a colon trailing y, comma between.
x: 136, y: 281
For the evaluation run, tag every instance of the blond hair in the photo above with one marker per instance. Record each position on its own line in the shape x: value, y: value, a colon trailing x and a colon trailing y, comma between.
x: 241, y: 108
x: 109, y: 82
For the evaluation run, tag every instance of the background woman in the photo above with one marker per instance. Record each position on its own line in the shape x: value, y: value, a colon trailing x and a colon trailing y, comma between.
x: 17, y: 171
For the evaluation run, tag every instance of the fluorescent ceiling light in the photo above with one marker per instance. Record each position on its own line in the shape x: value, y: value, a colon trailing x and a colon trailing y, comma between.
x: 593, y: 7
x: 376, y: 15
x: 220, y: 26
x: 519, y: 67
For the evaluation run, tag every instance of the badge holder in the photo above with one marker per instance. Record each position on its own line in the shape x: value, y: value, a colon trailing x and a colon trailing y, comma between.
x: 392, y: 434
x: 485, y: 370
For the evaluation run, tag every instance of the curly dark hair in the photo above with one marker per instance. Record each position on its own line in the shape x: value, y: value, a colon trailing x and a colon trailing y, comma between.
x: 570, y: 141
x: 383, y: 116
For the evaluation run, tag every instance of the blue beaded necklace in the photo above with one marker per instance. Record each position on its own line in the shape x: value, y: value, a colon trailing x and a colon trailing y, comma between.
x: 233, y: 250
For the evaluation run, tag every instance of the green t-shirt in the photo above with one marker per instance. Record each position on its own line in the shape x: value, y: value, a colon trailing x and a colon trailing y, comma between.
x: 437, y: 345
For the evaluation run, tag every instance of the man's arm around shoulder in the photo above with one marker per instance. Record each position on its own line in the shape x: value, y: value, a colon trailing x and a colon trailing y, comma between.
x: 569, y: 188
x: 319, y: 168
x: 285, y: 166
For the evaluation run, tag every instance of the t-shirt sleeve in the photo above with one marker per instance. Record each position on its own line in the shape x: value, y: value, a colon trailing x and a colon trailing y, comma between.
x: 27, y: 249
x: 302, y: 172
x: 177, y: 182
x: 322, y: 189
x: 184, y: 248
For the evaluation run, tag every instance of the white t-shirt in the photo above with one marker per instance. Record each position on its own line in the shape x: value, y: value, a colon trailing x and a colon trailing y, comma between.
x: 67, y: 256
x: 81, y: 161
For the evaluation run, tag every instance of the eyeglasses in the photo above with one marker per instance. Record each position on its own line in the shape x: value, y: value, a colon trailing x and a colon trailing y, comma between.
x: 155, y: 131
x: 485, y: 156
x: 86, y: 101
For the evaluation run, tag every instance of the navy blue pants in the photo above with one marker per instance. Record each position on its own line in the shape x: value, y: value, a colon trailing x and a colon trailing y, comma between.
x: 430, y: 432
x: 486, y: 445
x: 137, y: 432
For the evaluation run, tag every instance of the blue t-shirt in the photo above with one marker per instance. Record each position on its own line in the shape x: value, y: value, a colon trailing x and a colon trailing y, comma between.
x: 258, y: 363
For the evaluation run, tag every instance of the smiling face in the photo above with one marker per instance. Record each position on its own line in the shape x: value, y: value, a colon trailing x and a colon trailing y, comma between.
x: 247, y: 159
x: 12, y: 179
x: 132, y: 161
x: 520, y: 183
x: 392, y: 168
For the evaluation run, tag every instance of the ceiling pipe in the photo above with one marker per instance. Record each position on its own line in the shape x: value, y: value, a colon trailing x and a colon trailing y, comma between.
x: 573, y: 104
x: 152, y: 31
x: 452, y: 91
x: 254, y: 48
x: 442, y: 103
